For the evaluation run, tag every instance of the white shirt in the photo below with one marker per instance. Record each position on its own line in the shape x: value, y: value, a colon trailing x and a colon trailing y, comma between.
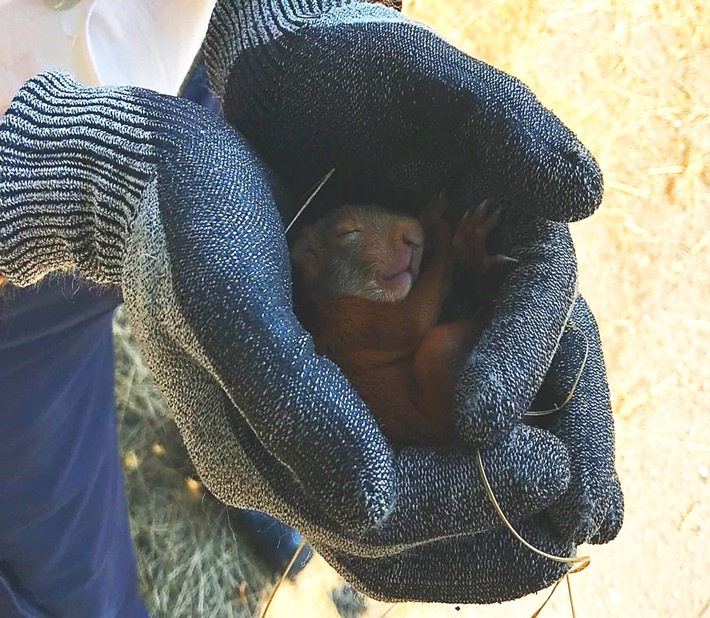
x: 148, y: 43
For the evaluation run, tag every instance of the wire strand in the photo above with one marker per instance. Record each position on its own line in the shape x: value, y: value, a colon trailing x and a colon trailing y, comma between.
x: 315, y: 192
x: 557, y: 408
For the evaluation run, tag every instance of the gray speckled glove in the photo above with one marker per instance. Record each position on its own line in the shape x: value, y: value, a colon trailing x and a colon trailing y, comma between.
x: 399, y: 114
x: 158, y: 196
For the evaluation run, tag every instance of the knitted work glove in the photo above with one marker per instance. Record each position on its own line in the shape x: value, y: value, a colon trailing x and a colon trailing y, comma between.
x: 158, y: 196
x: 399, y: 114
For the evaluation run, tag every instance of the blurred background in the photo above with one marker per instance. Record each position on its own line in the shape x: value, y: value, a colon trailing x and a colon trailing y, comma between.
x: 630, y: 77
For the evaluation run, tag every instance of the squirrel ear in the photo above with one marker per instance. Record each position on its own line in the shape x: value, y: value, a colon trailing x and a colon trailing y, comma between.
x: 303, y: 255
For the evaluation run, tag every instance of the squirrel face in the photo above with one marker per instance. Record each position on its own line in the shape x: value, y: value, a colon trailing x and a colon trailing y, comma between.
x: 363, y: 251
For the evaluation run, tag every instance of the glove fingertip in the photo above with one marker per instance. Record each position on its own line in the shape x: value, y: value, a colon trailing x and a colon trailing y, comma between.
x: 580, y: 187
x: 544, y: 466
x: 610, y: 527
x: 528, y: 470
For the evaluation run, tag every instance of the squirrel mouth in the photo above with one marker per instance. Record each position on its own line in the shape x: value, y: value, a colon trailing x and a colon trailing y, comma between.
x: 404, y: 272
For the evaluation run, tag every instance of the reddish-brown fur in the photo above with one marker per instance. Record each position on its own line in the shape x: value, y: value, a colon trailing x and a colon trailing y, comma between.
x: 401, y: 363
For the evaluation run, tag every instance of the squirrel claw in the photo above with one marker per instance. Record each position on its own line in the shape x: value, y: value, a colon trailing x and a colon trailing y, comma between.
x: 471, y: 236
x: 437, y: 205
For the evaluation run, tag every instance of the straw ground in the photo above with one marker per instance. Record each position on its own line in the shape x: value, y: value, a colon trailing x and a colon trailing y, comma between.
x: 630, y: 78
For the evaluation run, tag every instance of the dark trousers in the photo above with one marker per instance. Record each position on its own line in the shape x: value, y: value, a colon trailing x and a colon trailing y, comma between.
x: 65, y: 547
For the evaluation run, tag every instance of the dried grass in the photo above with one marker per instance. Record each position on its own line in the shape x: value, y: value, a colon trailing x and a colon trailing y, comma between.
x: 190, y: 561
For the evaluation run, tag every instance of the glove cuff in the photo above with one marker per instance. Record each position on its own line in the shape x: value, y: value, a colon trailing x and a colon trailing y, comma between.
x: 74, y: 163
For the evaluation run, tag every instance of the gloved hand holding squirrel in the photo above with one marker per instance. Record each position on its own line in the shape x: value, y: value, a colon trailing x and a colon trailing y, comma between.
x: 185, y: 212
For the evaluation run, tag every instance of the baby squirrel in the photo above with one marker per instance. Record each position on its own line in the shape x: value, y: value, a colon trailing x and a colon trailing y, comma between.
x: 371, y: 313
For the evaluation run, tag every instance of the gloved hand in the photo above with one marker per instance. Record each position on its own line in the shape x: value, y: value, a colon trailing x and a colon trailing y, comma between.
x: 158, y: 196
x: 399, y: 114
